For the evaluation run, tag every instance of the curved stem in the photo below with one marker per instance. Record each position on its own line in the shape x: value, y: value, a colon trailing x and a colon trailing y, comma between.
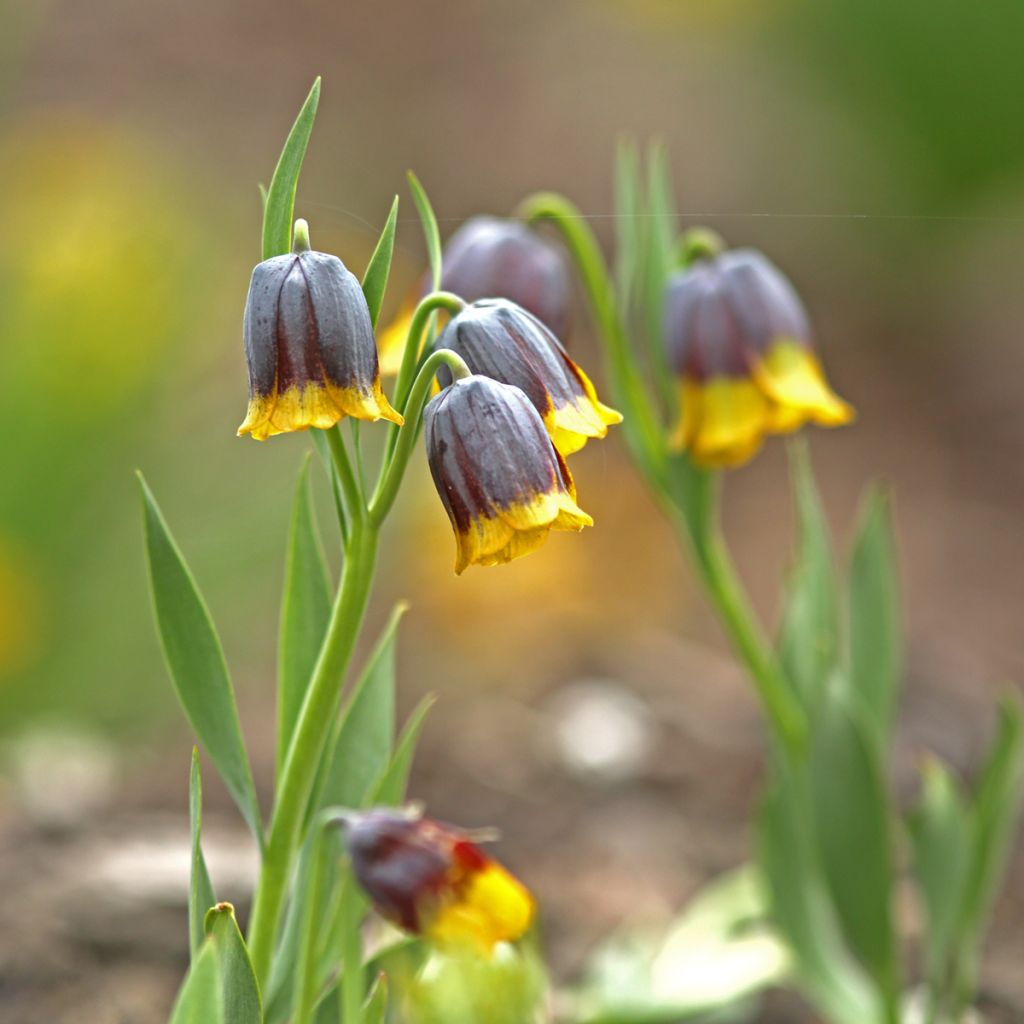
x: 316, y: 716
x: 697, y: 519
x: 391, y: 478
x: 411, y: 354
x: 640, y: 423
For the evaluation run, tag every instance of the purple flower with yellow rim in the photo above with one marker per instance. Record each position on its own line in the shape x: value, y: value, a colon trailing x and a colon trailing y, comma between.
x: 492, y: 257
x: 739, y: 340
x: 309, y: 346
x: 501, y: 480
x: 432, y: 879
x: 503, y: 341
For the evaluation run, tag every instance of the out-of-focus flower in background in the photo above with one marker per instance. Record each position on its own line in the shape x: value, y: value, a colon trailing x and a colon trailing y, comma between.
x: 490, y: 258
x: 309, y: 345
x: 502, y: 482
x: 501, y: 340
x: 432, y: 879
x: 739, y: 340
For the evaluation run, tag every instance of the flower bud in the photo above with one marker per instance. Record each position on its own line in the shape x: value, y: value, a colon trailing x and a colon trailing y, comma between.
x: 309, y: 345
x: 503, y: 341
x: 502, y: 482
x: 739, y: 340
x: 431, y: 879
x: 490, y: 257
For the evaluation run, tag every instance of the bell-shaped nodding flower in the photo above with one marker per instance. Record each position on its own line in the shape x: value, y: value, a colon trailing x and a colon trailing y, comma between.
x: 501, y: 340
x: 502, y: 482
x: 491, y: 257
x: 433, y: 880
x: 739, y: 340
x: 309, y: 345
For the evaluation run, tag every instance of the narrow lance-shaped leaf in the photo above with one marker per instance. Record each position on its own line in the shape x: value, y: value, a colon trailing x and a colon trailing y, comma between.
x: 808, y: 637
x: 375, y: 280
x: 376, y: 1006
x: 279, y: 208
x: 802, y: 910
x: 995, y: 813
x: 305, y: 612
x: 852, y: 826
x: 940, y: 837
x: 200, y: 892
x: 360, y: 750
x: 196, y: 661
x: 201, y: 1000
x: 390, y: 788
x: 241, y: 993
x: 875, y: 628
x: 430, y: 233
x: 628, y: 222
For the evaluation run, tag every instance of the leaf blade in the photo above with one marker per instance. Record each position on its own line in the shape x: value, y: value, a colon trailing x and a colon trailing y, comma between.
x: 200, y: 894
x: 431, y: 235
x: 305, y: 612
x: 279, y: 208
x: 240, y: 991
x: 195, y: 659
x: 375, y: 280
x: 875, y: 638
x: 200, y: 999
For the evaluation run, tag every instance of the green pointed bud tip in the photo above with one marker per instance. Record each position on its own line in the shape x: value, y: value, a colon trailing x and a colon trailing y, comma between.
x: 301, y: 236
x: 699, y: 244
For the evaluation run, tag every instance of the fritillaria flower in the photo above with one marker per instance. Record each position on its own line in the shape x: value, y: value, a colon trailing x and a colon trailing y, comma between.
x: 491, y: 257
x: 501, y: 340
x: 501, y: 480
x: 739, y: 340
x: 309, y: 346
x: 432, y: 879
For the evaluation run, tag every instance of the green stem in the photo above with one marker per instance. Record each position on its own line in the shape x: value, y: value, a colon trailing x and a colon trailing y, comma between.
x: 411, y: 353
x: 394, y: 468
x: 309, y: 739
x: 697, y: 520
x: 640, y: 423
x: 350, y: 488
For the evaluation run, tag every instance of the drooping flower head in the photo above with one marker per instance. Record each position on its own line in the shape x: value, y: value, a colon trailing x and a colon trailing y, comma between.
x: 309, y: 346
x: 501, y: 340
x: 492, y: 257
x: 501, y: 480
x: 739, y: 339
x: 432, y: 879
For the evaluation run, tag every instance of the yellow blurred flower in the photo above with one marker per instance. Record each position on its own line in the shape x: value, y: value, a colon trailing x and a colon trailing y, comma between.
x: 433, y: 880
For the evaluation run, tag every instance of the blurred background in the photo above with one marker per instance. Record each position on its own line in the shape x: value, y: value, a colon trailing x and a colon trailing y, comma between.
x: 588, y: 705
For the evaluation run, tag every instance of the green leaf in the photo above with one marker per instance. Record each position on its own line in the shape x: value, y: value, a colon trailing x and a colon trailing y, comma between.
x: 200, y: 891
x: 430, y: 233
x: 390, y: 788
x: 376, y: 1006
x: 201, y: 1000
x: 875, y: 627
x: 375, y: 280
x: 852, y: 827
x: 195, y: 660
x: 323, y: 449
x: 808, y: 637
x: 995, y: 812
x: 940, y: 838
x: 279, y: 210
x: 658, y: 263
x: 628, y: 221
x: 801, y: 908
x: 361, y: 748
x: 242, y: 1004
x: 305, y: 612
